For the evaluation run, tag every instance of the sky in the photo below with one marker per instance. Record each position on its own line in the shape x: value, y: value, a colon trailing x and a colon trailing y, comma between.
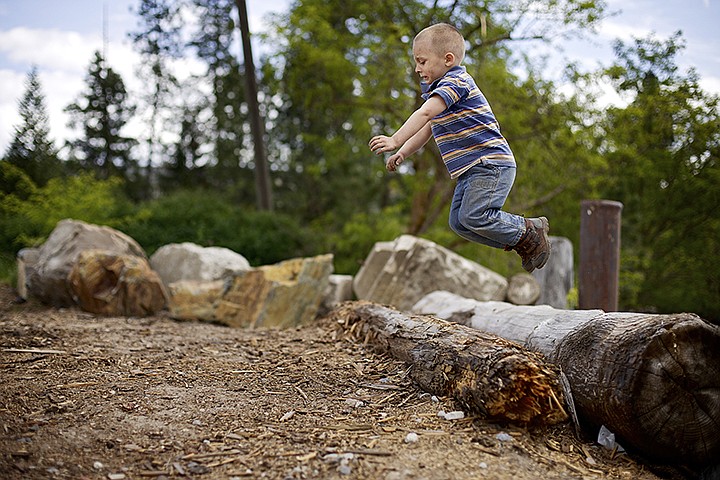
x: 60, y: 36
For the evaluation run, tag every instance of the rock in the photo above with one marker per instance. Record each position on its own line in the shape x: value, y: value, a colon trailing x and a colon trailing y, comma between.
x: 523, y: 289
x: 281, y: 295
x: 47, y: 279
x: 455, y: 415
x: 26, y: 260
x: 188, y: 261
x: 194, y: 300
x: 339, y: 290
x: 556, y: 277
x: 372, y: 267
x: 400, y: 273
x: 444, y: 305
x: 108, y: 283
x: 411, y: 437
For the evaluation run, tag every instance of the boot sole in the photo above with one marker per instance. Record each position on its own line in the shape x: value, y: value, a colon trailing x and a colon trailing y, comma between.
x: 542, y: 259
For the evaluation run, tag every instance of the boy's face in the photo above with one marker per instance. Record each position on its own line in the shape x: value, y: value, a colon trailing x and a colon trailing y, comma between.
x: 428, y: 63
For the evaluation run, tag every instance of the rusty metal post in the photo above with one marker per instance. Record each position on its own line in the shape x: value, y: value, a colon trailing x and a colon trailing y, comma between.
x: 599, y: 254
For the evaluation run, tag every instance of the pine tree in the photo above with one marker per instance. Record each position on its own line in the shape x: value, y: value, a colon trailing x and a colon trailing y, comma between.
x: 102, y: 111
x: 31, y: 149
x: 158, y: 41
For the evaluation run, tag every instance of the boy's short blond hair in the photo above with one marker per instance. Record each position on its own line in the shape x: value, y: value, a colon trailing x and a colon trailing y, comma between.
x: 444, y: 38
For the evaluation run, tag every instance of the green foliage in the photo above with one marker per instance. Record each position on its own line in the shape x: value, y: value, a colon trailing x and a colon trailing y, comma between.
x: 8, y: 269
x: 14, y: 180
x: 212, y: 219
x: 663, y: 150
x: 28, y: 219
x: 353, y: 242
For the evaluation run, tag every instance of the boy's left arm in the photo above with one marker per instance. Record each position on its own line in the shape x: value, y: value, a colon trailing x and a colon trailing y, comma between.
x: 432, y: 107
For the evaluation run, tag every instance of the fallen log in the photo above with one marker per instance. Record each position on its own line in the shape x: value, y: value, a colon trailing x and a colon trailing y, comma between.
x: 653, y: 380
x: 484, y: 373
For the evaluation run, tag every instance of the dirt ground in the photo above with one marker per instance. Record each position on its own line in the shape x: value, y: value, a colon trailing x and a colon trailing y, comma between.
x: 125, y: 398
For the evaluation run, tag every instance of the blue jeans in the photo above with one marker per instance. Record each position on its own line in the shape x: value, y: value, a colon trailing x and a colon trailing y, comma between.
x: 475, y: 212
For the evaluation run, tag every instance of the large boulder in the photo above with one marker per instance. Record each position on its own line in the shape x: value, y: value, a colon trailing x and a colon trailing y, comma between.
x: 47, y: 280
x: 188, y: 261
x: 26, y: 260
x: 286, y: 294
x: 107, y: 283
x: 195, y: 299
x: 401, y: 272
x: 339, y: 290
x: 523, y: 289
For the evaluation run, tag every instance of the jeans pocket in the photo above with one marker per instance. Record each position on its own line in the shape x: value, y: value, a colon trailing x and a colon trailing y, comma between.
x: 484, y: 177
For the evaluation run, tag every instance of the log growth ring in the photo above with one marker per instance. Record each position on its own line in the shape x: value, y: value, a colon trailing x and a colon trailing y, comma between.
x: 678, y: 390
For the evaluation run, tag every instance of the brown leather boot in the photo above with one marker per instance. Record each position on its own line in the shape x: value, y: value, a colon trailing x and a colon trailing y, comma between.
x: 534, y: 246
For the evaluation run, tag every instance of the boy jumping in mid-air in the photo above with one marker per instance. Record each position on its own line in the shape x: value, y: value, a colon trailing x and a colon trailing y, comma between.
x: 474, y: 151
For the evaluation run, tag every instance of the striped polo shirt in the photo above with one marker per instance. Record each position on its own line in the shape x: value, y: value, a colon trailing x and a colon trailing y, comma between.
x: 467, y: 132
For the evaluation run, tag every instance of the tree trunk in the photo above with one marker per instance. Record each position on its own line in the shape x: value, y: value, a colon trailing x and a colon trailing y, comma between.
x: 262, y: 172
x: 653, y: 380
x: 483, y: 372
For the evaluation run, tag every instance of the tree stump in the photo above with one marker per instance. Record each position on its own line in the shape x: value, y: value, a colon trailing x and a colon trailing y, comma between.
x: 483, y: 372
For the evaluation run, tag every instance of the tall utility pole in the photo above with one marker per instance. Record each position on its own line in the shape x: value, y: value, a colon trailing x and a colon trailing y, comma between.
x: 262, y: 172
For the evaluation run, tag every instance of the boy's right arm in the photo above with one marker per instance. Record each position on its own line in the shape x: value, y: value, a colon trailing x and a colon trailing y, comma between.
x: 413, y: 144
x: 419, y: 119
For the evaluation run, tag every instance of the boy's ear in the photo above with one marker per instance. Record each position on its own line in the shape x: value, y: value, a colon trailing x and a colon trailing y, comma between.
x: 449, y: 59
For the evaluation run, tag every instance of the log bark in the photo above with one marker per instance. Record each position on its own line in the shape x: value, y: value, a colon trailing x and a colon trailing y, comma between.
x: 484, y: 373
x: 653, y: 380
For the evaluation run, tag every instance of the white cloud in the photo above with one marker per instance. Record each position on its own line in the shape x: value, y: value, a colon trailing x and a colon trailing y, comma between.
x: 612, y: 30
x: 11, y: 89
x: 48, y: 48
x: 710, y: 84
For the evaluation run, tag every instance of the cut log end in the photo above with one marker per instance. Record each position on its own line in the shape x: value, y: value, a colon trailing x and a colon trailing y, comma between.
x: 678, y: 397
x: 525, y: 392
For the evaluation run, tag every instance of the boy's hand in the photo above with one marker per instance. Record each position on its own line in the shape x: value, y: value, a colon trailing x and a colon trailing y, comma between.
x: 381, y: 144
x: 394, y: 161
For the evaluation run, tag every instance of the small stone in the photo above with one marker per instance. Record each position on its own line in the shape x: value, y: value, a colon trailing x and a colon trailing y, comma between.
x: 483, y: 465
x: 53, y: 471
x: 197, y: 423
x: 456, y: 415
x: 434, y: 399
x: 345, y: 470
x: 197, y: 469
x: 503, y: 437
x: 352, y: 402
x: 411, y: 437
x: 441, y: 414
x: 116, y: 476
x: 98, y: 466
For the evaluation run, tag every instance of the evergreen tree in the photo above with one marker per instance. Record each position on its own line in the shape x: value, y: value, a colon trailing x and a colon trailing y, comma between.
x: 102, y: 111
x: 158, y: 41
x: 31, y: 149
